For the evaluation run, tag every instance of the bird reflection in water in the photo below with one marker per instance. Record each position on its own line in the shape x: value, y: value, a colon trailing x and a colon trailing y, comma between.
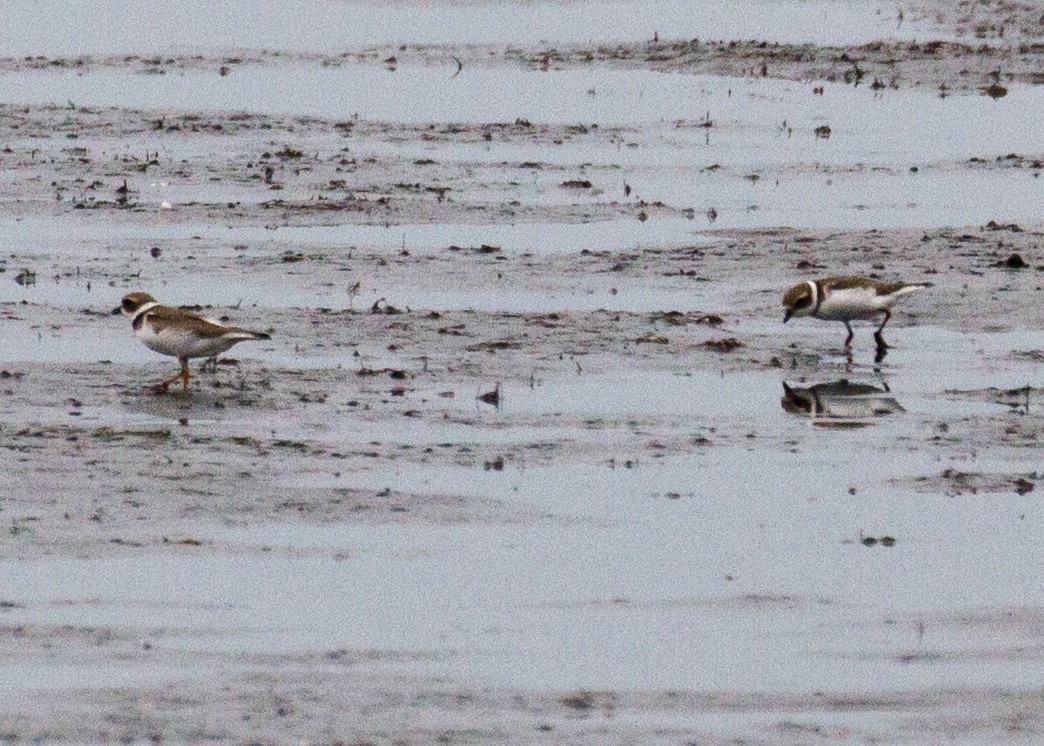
x: 840, y: 404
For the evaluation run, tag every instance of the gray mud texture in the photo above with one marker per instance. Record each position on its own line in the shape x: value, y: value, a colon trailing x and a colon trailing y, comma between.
x: 530, y: 456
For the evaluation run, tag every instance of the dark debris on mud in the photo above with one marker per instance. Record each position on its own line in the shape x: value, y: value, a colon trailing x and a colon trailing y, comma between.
x: 956, y: 483
x: 946, y: 65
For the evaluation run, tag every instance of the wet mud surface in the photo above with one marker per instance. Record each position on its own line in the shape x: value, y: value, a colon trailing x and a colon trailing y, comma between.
x: 530, y: 456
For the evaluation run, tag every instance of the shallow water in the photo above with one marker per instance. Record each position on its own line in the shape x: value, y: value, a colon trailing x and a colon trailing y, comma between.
x: 55, y: 28
x: 896, y: 160
x: 736, y: 566
x: 633, y: 597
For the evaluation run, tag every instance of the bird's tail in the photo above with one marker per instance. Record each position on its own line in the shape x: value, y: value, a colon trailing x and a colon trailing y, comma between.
x: 242, y: 334
x: 912, y: 287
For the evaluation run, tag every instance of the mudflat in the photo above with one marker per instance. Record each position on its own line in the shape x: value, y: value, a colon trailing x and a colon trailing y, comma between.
x: 530, y: 455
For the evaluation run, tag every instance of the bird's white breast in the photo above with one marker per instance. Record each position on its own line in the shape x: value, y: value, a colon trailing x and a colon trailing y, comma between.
x: 179, y: 342
x: 845, y: 304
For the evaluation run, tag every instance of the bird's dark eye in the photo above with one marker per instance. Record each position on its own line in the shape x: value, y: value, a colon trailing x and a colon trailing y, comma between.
x: 803, y: 301
x: 128, y: 303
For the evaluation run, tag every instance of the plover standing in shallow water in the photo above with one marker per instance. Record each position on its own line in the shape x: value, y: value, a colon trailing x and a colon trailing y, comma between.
x: 179, y: 333
x: 847, y: 299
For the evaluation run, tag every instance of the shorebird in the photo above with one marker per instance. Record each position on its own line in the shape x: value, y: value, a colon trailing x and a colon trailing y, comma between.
x: 179, y: 333
x: 847, y: 299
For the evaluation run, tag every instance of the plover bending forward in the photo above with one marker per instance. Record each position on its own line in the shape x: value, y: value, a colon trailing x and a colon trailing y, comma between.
x: 848, y: 299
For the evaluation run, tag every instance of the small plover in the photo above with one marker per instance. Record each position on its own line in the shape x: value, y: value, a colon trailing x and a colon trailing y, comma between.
x: 179, y: 333
x: 846, y: 299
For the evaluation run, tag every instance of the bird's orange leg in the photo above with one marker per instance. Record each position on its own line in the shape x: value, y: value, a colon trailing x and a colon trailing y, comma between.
x: 182, y: 375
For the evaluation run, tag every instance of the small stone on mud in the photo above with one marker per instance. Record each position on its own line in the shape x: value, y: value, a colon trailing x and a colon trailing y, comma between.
x: 1023, y: 486
x: 723, y: 345
x: 674, y: 318
x: 1015, y: 261
x: 711, y: 319
x: 651, y: 338
x: 993, y: 225
x: 994, y: 91
x: 578, y: 701
x: 387, y: 308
